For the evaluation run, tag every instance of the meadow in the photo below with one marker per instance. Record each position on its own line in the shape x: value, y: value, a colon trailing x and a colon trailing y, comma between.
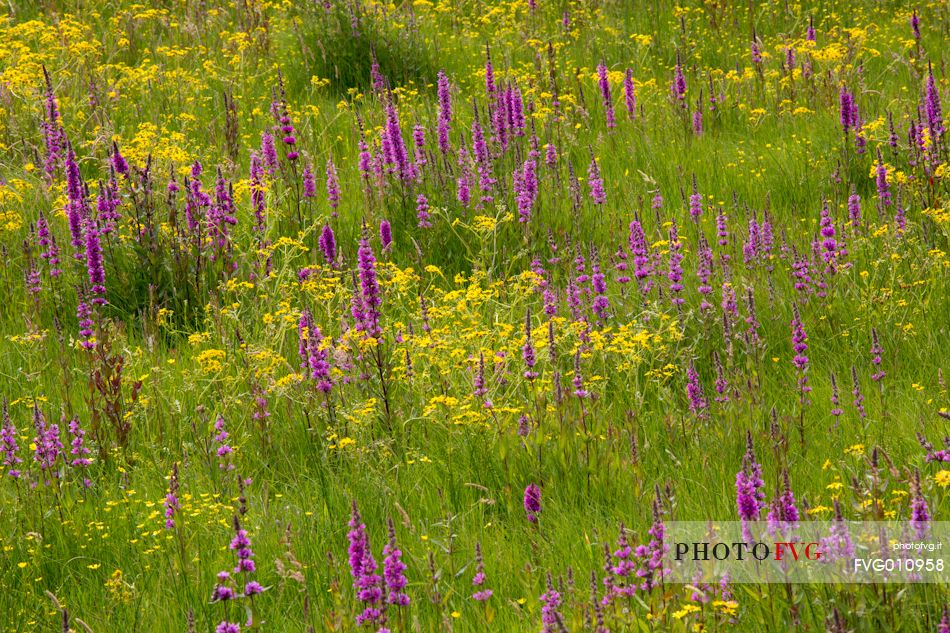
x: 345, y: 315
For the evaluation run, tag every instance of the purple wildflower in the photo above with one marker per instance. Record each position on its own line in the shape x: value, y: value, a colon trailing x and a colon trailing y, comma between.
x: 919, y: 514
x: 482, y: 593
x: 445, y: 112
x: 333, y: 187
x: 694, y: 391
x: 328, y: 244
x: 369, y: 287
x: 422, y: 212
x: 171, y: 502
x: 224, y: 449
x: 750, y: 496
x: 394, y: 571
x: 551, y: 620
x: 604, y: 84
x: 8, y: 444
x: 595, y: 182
x: 629, y: 94
x: 532, y: 502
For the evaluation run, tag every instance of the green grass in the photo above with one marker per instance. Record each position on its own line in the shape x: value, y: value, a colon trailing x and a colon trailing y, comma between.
x: 198, y: 343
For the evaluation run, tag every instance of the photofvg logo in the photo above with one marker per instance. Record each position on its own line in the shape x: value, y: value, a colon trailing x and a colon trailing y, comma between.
x: 740, y: 551
x: 806, y: 552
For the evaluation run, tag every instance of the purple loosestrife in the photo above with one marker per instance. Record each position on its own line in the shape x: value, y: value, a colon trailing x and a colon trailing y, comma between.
x: 783, y: 514
x: 47, y: 243
x: 934, y: 455
x: 532, y: 502
x: 86, y: 324
x: 8, y: 444
x: 479, y: 383
x: 944, y: 625
x: 601, y: 303
x: 652, y: 571
x: 445, y: 113
x: 678, y: 87
x: 419, y: 143
x: 32, y: 277
x: 675, y: 271
x: 118, y: 161
x: 314, y: 353
x: 919, y: 513
x: 309, y: 180
x: 854, y: 208
x: 900, y: 217
x: 259, y: 190
x: 75, y: 205
x: 482, y: 593
x: 53, y: 133
x: 838, y: 544
x: 876, y: 352
x: 722, y: 385
x: 829, y: 244
x: 856, y: 392
x: 527, y: 350
x: 269, y: 153
x: 224, y: 449
x: 846, y: 109
x: 397, y: 146
x: 78, y: 449
x: 915, y: 29
x: 704, y: 265
x: 883, y: 188
x: 287, y: 132
x: 369, y: 287
x: 327, y: 243
x: 578, y: 380
x: 860, y: 140
x: 932, y: 107
x: 619, y: 566
x: 422, y: 212
x: 526, y: 189
x: 642, y: 266
x: 722, y: 231
x: 171, y: 503
x: 394, y: 571
x: 333, y: 187
x: 366, y: 581
x: 551, y: 620
x: 695, y: 202
x: 750, y: 494
x: 835, y: 399
x: 524, y: 425
x: 550, y: 155
x: 376, y: 77
x: 800, y: 346
x: 603, y: 82
x: 755, y: 51
x: 49, y: 447
x: 801, y: 274
x: 629, y: 94
x: 385, y: 234
x: 595, y: 182
x: 486, y: 181
x: 694, y: 391
x: 464, y: 180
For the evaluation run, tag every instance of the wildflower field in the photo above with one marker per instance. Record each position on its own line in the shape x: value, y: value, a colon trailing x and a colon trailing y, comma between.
x: 344, y: 315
